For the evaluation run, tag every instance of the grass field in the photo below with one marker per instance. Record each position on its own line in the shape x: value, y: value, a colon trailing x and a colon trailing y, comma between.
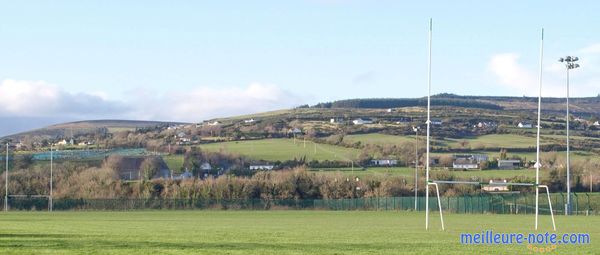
x: 284, y: 149
x: 174, y: 162
x: 496, y: 141
x: 379, y: 139
x: 271, y: 232
x: 484, y: 141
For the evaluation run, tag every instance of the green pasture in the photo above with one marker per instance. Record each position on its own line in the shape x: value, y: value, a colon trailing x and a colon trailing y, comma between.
x: 284, y: 149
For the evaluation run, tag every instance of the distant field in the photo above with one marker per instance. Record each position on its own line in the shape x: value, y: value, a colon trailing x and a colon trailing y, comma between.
x: 495, y: 141
x: 273, y: 232
x: 480, y: 142
x: 409, y: 172
x: 284, y: 149
x: 174, y: 162
x: 379, y: 139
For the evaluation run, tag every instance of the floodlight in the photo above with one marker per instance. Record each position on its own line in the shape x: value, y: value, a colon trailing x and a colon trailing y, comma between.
x: 561, y: 60
x: 574, y: 59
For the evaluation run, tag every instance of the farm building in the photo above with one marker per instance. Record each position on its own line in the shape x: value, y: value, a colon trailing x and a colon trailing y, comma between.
x: 384, y: 162
x: 468, y: 161
x: 509, y: 164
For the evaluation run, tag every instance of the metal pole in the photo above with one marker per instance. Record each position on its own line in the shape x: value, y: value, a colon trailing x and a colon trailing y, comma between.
x: 428, y: 127
x: 539, y: 124
x: 51, y: 176
x: 568, y: 205
x: 416, y: 164
x: 6, y: 182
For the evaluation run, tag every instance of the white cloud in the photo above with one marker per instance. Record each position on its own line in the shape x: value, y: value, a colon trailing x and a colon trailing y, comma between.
x: 22, y: 98
x: 203, y: 102
x: 523, y: 80
x: 509, y: 72
x: 592, y: 49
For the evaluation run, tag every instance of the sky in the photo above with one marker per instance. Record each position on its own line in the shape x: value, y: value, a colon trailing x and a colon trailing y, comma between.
x: 195, y: 60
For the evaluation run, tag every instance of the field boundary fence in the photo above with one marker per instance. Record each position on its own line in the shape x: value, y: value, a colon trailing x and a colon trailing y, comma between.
x: 583, y: 204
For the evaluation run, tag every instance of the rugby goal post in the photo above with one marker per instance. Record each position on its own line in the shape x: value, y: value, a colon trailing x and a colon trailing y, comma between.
x: 537, y: 165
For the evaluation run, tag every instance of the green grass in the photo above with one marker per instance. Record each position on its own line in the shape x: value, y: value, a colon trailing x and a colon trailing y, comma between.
x: 272, y: 232
x: 379, y: 139
x: 495, y: 141
x: 409, y: 172
x: 174, y: 162
x: 284, y: 149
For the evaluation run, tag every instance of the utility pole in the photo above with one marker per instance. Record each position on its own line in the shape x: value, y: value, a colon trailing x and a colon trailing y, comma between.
x: 6, y: 182
x: 416, y: 129
x: 50, y: 201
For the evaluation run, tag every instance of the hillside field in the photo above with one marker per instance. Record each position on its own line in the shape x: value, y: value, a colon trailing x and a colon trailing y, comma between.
x: 284, y: 149
x: 272, y: 232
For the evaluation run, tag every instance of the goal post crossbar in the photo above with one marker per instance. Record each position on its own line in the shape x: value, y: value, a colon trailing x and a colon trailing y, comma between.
x: 487, y: 183
x: 33, y: 196
x: 437, y: 190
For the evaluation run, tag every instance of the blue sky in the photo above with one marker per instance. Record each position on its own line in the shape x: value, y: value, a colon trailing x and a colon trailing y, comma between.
x: 192, y: 60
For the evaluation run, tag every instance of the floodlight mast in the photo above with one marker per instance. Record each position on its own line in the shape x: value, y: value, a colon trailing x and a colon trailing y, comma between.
x: 569, y: 64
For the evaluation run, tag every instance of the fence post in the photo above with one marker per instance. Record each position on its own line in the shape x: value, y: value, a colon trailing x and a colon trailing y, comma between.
x: 576, y: 203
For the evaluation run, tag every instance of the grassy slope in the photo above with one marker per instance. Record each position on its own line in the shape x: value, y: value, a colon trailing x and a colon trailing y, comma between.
x: 284, y: 149
x: 174, y: 162
x: 490, y: 141
x: 270, y: 232
x: 379, y: 139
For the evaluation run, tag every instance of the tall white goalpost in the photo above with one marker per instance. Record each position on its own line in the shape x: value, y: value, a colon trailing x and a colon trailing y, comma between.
x: 435, y: 183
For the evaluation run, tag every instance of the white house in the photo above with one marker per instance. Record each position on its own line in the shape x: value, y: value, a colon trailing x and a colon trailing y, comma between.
x: 362, y: 121
x: 495, y: 186
x: 596, y: 123
x: 205, y: 166
x: 261, y: 167
x: 214, y: 123
x: 390, y: 110
x: 525, y: 125
x: 463, y: 163
x: 249, y: 121
x: 62, y: 142
x: 295, y: 131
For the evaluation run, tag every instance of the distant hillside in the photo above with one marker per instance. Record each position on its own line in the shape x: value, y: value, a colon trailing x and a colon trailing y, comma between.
x: 586, y: 106
x: 89, y: 126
